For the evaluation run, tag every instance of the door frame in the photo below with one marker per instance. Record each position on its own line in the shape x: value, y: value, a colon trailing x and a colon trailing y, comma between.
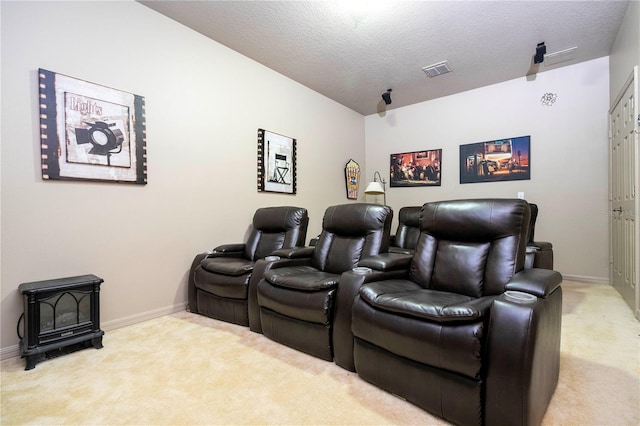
x: 632, y: 79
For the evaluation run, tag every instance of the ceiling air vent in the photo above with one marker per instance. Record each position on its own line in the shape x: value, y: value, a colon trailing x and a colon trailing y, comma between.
x: 437, y: 69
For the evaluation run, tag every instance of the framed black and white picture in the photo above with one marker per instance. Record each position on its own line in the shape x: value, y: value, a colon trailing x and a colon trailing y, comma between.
x: 90, y: 132
x: 276, y: 163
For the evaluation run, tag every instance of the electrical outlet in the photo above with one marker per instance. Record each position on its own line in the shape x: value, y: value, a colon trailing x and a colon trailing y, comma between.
x: 521, y: 195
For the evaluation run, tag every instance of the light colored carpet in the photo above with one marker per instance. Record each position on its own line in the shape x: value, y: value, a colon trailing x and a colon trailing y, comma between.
x: 186, y: 369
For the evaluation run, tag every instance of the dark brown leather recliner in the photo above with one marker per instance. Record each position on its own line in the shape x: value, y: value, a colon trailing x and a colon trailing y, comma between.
x: 406, y: 236
x: 219, y: 284
x: 296, y: 296
x: 466, y: 333
x: 542, y: 250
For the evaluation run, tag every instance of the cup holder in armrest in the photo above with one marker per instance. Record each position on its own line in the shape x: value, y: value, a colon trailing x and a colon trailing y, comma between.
x: 519, y: 297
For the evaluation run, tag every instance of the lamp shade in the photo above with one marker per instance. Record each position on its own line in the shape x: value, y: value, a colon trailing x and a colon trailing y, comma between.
x: 374, y: 188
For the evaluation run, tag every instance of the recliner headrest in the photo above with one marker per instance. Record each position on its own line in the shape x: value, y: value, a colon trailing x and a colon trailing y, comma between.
x: 410, y: 216
x: 475, y: 220
x: 355, y: 219
x: 279, y: 219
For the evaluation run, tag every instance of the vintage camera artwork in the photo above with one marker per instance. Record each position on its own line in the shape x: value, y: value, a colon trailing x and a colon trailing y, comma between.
x: 102, y: 137
x: 106, y: 138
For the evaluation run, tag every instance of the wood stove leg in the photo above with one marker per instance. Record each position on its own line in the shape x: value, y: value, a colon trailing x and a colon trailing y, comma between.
x: 32, y: 360
x: 97, y: 342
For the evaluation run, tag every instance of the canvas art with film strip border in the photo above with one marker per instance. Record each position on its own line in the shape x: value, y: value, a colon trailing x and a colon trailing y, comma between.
x: 276, y: 163
x: 90, y: 132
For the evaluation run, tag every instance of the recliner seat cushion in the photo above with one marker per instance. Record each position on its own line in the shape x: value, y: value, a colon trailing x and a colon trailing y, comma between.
x: 453, y: 346
x: 317, y: 307
x: 407, y: 298
x: 232, y: 266
x: 229, y: 286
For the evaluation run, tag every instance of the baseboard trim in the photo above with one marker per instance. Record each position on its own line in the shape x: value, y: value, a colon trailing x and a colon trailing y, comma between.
x: 586, y: 279
x: 14, y: 350
x: 143, y: 316
x: 10, y: 352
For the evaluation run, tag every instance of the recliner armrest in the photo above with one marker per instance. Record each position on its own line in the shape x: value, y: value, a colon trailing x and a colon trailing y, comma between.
x: 230, y: 248
x: 387, y: 261
x: 294, y: 253
x: 259, y: 269
x: 542, y: 245
x: 348, y: 288
x: 401, y: 250
x: 536, y: 281
x: 523, y: 357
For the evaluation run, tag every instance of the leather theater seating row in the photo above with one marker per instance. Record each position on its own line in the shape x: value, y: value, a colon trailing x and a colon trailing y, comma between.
x: 453, y: 313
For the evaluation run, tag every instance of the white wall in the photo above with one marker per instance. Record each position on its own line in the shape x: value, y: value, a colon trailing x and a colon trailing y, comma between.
x: 569, y: 154
x: 204, y: 104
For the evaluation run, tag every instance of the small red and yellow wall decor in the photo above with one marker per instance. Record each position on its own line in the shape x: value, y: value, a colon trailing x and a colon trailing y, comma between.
x: 352, y: 179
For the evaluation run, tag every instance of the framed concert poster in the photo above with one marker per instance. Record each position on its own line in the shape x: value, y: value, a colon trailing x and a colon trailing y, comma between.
x: 419, y: 168
x: 276, y: 163
x: 90, y: 132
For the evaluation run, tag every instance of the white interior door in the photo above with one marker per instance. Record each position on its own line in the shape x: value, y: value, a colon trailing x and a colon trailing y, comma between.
x: 625, y: 232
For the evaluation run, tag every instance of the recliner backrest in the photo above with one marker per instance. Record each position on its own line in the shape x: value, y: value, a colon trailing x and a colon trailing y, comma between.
x: 350, y: 232
x: 274, y: 228
x: 471, y: 247
x: 532, y: 222
x: 408, y: 230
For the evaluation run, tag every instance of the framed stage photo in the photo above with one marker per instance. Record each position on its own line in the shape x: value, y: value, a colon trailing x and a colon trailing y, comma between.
x: 496, y: 161
x: 419, y: 168
x: 90, y: 132
x: 276, y: 163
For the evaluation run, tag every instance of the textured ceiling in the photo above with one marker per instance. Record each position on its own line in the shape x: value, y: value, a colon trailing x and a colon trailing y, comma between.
x: 352, y: 56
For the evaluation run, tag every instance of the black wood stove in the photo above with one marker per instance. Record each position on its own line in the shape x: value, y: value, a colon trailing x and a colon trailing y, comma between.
x: 59, y: 314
